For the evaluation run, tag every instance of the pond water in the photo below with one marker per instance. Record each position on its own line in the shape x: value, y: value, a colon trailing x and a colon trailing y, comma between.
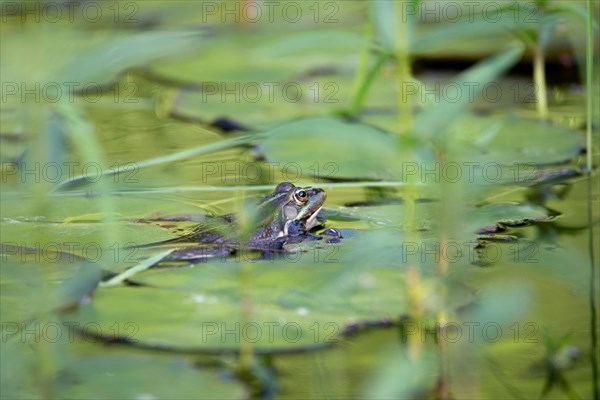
x: 464, y: 267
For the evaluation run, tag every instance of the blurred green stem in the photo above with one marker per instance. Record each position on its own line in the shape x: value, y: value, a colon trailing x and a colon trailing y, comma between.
x: 405, y: 117
x: 450, y: 211
x: 361, y: 84
x: 590, y: 203
x: 402, y: 52
x: 38, y: 119
x: 414, y: 285
x: 247, y: 362
x: 589, y: 85
x: 246, y: 348
x: 365, y: 83
x: 82, y: 134
x: 539, y: 77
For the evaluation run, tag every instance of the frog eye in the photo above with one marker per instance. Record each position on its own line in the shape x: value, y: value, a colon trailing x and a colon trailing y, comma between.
x: 301, y: 195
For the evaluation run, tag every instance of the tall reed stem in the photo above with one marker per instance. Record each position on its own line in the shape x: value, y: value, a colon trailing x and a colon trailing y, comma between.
x: 539, y: 77
x: 402, y: 52
x: 593, y: 293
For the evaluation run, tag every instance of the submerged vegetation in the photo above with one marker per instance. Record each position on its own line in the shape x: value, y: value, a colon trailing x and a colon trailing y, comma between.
x: 455, y: 254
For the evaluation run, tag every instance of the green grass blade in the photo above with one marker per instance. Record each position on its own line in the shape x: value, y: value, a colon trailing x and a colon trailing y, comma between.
x: 144, y: 265
x: 593, y: 291
x: 180, y: 155
x: 367, y: 81
x: 82, y: 133
x: 384, y: 22
x: 103, y: 64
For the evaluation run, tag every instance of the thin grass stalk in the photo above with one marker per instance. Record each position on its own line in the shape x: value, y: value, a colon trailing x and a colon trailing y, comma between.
x: 447, y: 217
x: 403, y: 68
x: 414, y: 286
x: 169, y: 158
x: 87, y: 143
x: 365, y: 83
x: 589, y: 164
x: 539, y: 78
x: 247, y: 360
x: 404, y: 104
x: 38, y: 122
x: 443, y: 387
x: 37, y: 119
x: 246, y: 349
x: 360, y: 78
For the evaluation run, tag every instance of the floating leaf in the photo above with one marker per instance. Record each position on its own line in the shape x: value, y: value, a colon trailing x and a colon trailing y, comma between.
x: 32, y: 284
x: 333, y: 286
x: 89, y: 370
x: 399, y: 377
x: 322, y: 41
x: 263, y: 105
x: 144, y: 377
x: 91, y: 58
x: 509, y: 141
x: 311, y: 141
x: 86, y: 240
x: 203, y: 304
x: 218, y: 62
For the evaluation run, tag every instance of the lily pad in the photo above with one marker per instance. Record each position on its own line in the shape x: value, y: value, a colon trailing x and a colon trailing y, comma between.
x: 507, y: 214
x: 35, y: 282
x: 85, y: 240
x: 201, y: 308
x: 107, y: 54
x: 219, y: 62
x: 82, y: 208
x: 330, y: 41
x: 144, y: 377
x: 264, y: 104
x: 329, y: 140
x: 573, y: 205
x: 484, y: 150
x: 302, y: 301
x: 508, y: 140
x: 89, y: 370
x: 428, y: 214
x: 77, y: 235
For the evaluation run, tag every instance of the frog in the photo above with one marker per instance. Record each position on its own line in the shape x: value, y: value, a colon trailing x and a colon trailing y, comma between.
x: 286, y: 217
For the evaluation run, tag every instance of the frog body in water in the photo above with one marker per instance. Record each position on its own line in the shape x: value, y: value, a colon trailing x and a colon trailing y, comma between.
x: 286, y: 216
